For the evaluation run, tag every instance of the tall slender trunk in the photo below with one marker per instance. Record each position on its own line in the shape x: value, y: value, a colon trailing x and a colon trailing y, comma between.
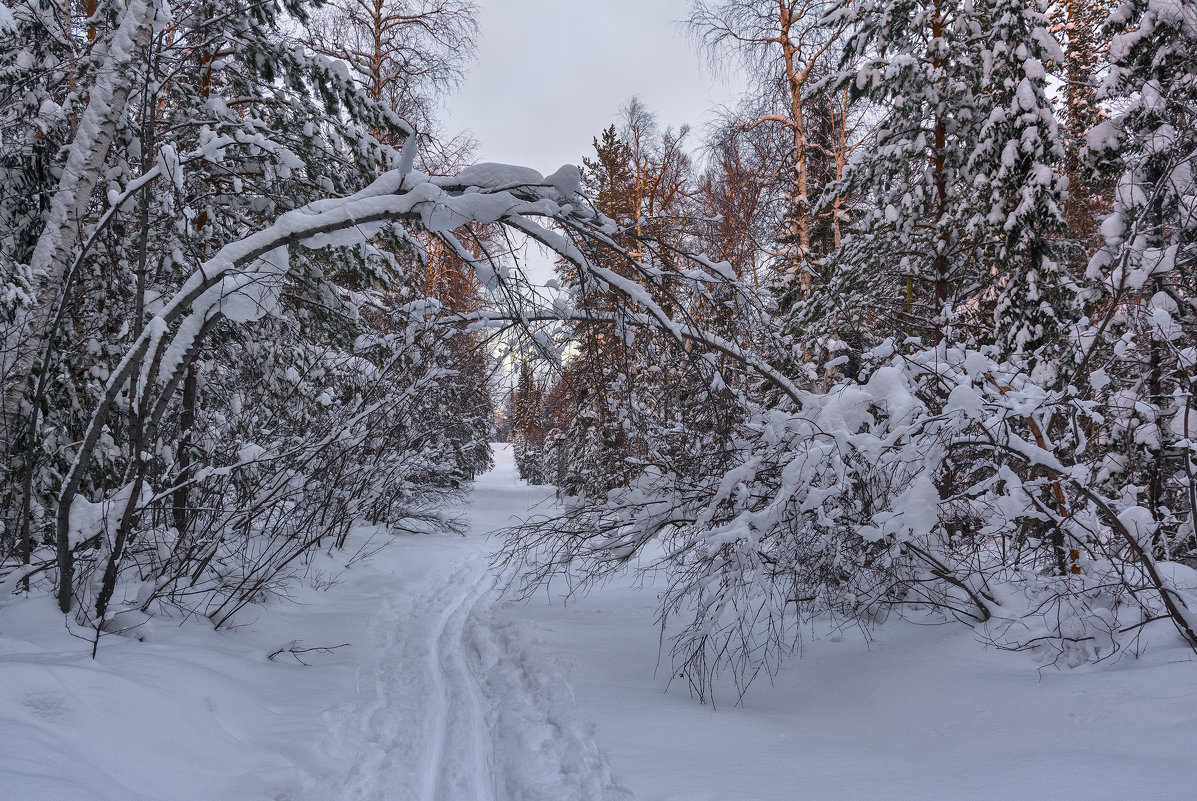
x: 180, y: 500
x: 800, y: 202
x: 940, y: 277
x: 55, y: 249
x: 1082, y: 58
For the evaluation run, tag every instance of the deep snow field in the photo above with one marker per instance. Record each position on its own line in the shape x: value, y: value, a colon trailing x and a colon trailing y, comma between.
x: 443, y: 690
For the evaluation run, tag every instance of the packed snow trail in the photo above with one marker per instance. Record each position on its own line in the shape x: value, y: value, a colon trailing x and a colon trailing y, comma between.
x: 457, y: 701
x: 452, y: 705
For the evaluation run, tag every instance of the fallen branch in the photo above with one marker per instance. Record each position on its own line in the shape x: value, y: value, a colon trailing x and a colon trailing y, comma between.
x: 294, y: 650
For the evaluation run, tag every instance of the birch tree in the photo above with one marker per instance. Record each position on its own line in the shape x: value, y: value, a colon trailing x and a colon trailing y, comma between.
x: 790, y: 47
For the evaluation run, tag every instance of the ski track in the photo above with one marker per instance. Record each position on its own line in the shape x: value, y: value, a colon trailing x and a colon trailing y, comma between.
x: 457, y: 705
x: 458, y: 715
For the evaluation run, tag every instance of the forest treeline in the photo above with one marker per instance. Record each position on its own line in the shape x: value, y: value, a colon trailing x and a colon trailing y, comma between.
x: 909, y: 329
x: 963, y: 234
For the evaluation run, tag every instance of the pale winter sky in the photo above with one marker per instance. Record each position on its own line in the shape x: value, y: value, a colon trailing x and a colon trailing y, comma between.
x: 552, y: 74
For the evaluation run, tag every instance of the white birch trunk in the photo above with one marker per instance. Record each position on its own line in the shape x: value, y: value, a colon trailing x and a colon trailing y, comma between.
x: 55, y: 249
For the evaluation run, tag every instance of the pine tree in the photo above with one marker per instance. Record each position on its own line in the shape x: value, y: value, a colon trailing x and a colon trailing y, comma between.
x: 961, y: 185
x: 913, y: 61
x: 527, y: 429
x: 1016, y: 167
x: 622, y: 381
x: 1078, y: 26
x: 1143, y: 335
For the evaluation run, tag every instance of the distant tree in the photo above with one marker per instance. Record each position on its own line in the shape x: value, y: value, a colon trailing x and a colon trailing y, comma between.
x: 407, y: 52
x: 618, y: 378
x: 527, y: 400
x: 787, y: 46
x: 734, y: 197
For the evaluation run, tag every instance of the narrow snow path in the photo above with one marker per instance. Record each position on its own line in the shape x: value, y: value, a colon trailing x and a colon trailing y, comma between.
x: 451, y: 704
x: 458, y: 717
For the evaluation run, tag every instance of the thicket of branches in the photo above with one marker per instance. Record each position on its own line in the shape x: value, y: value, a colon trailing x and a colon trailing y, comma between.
x: 185, y: 420
x: 960, y: 238
x: 245, y: 307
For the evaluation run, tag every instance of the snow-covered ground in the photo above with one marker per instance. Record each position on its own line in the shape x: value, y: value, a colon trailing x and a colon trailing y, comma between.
x: 445, y: 691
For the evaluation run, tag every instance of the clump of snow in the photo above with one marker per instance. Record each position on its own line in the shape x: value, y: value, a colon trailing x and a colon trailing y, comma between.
x: 1140, y: 523
x: 497, y: 176
x: 567, y: 180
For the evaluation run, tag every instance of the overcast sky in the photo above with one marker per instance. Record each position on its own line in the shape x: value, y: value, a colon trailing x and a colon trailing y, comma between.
x: 552, y: 74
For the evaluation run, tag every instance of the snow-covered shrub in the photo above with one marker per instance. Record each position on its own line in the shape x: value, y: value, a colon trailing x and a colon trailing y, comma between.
x: 947, y: 482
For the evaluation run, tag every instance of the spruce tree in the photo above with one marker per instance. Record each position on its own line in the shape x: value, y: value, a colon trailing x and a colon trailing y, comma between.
x: 960, y: 192
x: 1016, y: 166
x: 1145, y: 321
